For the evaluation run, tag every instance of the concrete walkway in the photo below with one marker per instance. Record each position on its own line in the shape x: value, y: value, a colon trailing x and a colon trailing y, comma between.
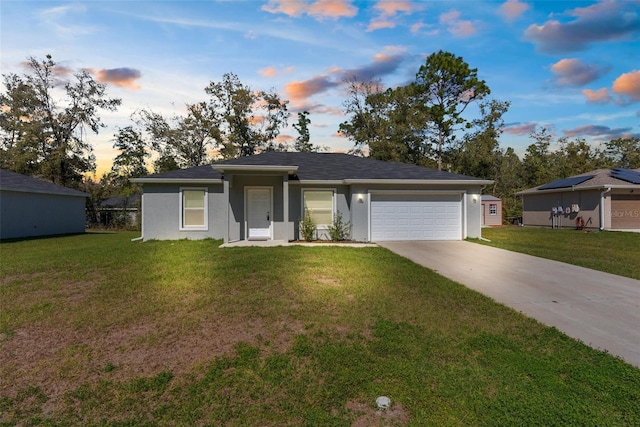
x: 600, y: 309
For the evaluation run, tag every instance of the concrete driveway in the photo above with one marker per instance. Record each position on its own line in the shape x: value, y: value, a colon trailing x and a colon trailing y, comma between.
x: 600, y: 309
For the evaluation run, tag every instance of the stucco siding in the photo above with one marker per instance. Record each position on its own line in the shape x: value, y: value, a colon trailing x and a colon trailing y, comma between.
x: 537, y: 208
x: 161, y: 212
x: 25, y: 214
x: 342, y: 204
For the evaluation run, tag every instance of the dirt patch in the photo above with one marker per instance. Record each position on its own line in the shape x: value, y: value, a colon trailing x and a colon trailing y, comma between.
x: 59, y: 359
x: 368, y: 415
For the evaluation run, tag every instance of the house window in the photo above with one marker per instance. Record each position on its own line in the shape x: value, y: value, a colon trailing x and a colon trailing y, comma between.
x: 493, y: 209
x: 193, y: 209
x: 319, y: 204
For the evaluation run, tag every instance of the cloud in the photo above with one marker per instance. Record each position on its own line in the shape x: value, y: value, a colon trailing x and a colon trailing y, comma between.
x: 600, y: 132
x: 387, y: 10
x: 627, y: 86
x: 391, y: 7
x: 122, y: 77
x: 272, y: 71
x: 384, y: 63
x: 520, y: 128
x: 300, y: 90
x: 455, y: 25
x: 62, y: 20
x: 573, y: 72
x: 512, y: 10
x: 319, y: 10
x: 601, y: 22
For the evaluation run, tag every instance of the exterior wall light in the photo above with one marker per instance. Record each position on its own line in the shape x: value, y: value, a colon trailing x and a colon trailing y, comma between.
x: 475, y: 199
x: 360, y: 198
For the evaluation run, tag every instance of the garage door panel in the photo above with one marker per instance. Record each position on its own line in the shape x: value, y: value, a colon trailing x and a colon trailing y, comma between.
x: 416, y: 217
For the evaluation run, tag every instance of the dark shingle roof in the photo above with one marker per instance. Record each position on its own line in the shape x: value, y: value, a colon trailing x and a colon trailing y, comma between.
x: 120, y: 201
x: 16, y: 182
x: 322, y: 167
x: 197, y: 172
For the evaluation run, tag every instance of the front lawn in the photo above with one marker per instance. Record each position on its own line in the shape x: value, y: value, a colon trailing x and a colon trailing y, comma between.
x: 97, y: 330
x: 609, y: 251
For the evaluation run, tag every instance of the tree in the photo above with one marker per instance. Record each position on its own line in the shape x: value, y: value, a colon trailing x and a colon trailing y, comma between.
x: 574, y: 157
x: 623, y: 153
x: 363, y: 127
x: 182, y: 141
x: 445, y: 86
x: 131, y: 162
x: 45, y: 136
x: 479, y: 152
x: 538, y: 165
x: 303, y: 143
x: 385, y: 123
x: 233, y: 107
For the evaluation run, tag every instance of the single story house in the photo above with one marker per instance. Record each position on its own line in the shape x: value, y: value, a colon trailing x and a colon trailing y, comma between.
x: 605, y: 199
x: 491, y: 211
x: 31, y: 207
x: 118, y: 211
x: 263, y: 197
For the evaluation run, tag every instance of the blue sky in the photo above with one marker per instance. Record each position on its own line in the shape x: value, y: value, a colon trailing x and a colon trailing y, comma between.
x: 572, y: 67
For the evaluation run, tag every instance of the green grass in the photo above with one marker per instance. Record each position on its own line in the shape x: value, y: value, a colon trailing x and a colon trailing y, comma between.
x: 608, y: 251
x: 97, y: 330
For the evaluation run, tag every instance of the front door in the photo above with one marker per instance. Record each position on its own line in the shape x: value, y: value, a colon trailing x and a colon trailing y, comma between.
x: 259, y: 213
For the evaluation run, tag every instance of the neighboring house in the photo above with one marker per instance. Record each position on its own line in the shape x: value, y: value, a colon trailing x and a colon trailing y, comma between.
x: 264, y: 196
x: 32, y: 207
x: 118, y: 211
x: 606, y: 199
x: 491, y: 211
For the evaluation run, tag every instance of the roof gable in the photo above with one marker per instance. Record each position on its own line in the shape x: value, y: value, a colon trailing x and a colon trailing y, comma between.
x: 12, y: 181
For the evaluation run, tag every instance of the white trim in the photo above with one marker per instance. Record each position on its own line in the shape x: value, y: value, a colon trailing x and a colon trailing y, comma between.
x: 246, y: 208
x: 333, y: 205
x: 204, y: 227
x: 317, y: 182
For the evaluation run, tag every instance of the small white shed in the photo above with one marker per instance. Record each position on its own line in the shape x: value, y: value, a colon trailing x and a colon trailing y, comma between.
x: 31, y: 207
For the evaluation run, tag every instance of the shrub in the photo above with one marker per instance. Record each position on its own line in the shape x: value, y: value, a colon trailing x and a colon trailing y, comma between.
x: 339, y: 230
x: 307, y: 227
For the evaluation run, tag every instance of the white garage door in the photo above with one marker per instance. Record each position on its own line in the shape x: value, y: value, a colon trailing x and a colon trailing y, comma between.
x: 416, y: 217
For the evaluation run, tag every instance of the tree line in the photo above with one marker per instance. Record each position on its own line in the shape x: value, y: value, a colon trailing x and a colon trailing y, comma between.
x: 45, y: 116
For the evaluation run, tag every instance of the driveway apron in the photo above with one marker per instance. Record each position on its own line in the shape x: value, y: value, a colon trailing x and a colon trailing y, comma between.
x: 600, y: 309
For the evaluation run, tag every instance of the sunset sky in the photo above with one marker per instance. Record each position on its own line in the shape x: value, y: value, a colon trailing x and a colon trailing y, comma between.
x: 572, y: 67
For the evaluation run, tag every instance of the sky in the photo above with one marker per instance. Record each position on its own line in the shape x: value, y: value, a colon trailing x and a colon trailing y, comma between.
x: 572, y: 67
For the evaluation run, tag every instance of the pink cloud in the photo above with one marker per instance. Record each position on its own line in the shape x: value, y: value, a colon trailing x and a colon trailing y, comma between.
x: 604, y: 133
x: 320, y: 9
x: 380, y: 24
x: 600, y: 96
x: 122, y: 77
x: 573, y: 72
x: 301, y: 90
x: 512, y: 10
x: 268, y: 72
x: 520, y: 128
x: 627, y: 86
x: 391, y: 7
x: 455, y: 25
